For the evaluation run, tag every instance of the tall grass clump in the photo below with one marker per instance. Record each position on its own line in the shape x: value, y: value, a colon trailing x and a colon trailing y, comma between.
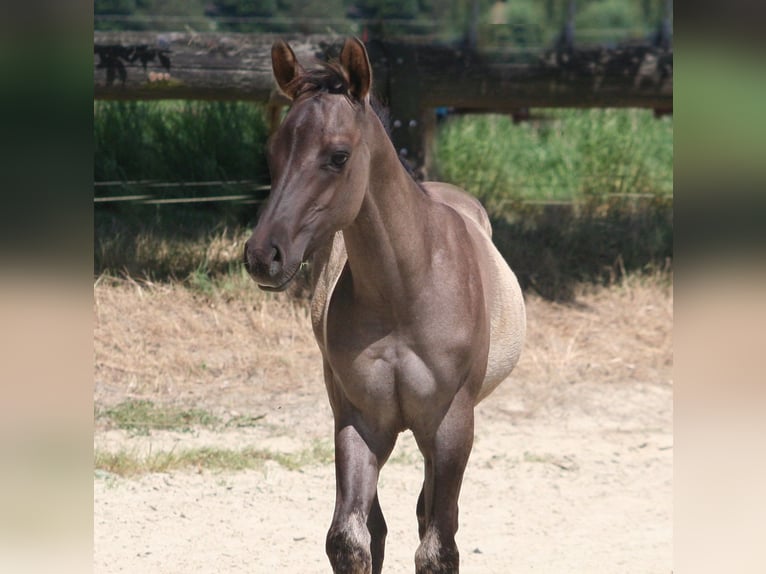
x: 567, y: 155
x: 179, y: 141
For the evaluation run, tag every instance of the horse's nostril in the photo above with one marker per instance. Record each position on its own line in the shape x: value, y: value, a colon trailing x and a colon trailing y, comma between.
x: 275, y: 267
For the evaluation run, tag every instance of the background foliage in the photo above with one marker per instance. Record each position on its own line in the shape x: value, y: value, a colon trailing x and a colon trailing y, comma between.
x: 179, y: 141
x: 565, y: 155
x: 522, y: 22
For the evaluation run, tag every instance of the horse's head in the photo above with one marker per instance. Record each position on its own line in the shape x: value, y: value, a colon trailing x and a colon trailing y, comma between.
x: 319, y: 162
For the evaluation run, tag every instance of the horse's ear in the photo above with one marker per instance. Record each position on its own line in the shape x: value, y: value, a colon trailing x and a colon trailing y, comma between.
x: 354, y: 59
x: 286, y: 67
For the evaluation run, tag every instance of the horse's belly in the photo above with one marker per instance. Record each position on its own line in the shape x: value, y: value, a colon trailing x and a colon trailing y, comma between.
x: 505, y: 303
x: 507, y: 322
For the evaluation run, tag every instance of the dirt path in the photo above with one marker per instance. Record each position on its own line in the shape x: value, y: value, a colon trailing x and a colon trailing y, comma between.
x: 572, y: 477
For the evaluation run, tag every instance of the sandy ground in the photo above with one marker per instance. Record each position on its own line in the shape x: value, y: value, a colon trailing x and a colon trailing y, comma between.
x: 571, y: 471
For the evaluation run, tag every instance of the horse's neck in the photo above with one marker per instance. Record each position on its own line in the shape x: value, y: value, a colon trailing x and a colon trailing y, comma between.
x: 386, y: 245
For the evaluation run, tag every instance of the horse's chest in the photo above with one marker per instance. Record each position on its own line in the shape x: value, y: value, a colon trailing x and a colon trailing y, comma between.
x: 388, y: 374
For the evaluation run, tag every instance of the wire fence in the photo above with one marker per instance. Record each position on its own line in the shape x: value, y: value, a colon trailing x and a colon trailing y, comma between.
x: 257, y: 191
x: 260, y: 191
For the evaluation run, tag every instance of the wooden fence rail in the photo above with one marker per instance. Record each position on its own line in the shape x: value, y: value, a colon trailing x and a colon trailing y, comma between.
x: 411, y: 77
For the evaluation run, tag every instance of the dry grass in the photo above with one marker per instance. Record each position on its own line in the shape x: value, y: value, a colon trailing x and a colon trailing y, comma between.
x: 609, y: 335
x: 226, y: 346
x: 143, y: 249
x: 187, y: 346
x: 613, y: 334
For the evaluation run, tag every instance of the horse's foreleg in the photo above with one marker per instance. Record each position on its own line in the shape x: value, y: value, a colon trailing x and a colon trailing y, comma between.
x: 357, y: 534
x: 425, y: 493
x: 447, y: 455
x: 376, y: 524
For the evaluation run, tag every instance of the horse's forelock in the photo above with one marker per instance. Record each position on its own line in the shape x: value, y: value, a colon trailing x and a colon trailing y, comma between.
x: 329, y: 78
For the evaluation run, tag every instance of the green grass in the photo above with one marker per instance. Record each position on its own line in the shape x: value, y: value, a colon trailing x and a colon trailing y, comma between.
x: 179, y: 141
x: 569, y: 155
x: 141, y: 416
x: 128, y: 463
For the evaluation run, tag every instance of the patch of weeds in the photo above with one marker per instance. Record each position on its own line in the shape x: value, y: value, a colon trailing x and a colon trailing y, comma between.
x: 129, y: 463
x: 210, y: 280
x: 243, y: 421
x: 200, y: 280
x: 121, y: 463
x: 142, y: 416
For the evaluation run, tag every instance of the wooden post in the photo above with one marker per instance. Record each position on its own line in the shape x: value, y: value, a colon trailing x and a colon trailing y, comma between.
x: 400, y: 90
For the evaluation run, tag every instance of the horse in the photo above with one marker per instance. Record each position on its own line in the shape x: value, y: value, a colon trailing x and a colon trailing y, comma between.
x: 417, y: 315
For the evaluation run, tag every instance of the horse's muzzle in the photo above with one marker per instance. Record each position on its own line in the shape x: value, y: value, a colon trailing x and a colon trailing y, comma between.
x: 266, y: 265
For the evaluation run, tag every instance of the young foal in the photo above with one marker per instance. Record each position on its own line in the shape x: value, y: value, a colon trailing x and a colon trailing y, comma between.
x: 417, y: 315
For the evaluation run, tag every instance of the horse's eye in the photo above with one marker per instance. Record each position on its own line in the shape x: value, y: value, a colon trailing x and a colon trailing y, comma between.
x: 338, y: 159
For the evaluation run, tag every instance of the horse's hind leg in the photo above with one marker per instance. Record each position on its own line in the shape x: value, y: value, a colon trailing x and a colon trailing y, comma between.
x: 446, y: 457
x: 357, y: 534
